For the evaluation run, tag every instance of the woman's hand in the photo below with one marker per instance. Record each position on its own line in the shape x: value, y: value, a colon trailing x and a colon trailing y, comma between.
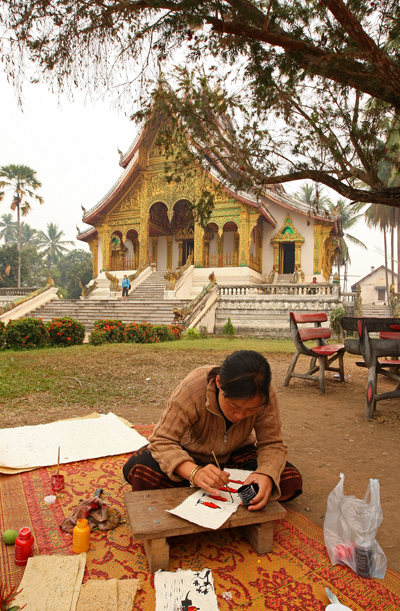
x: 211, y: 478
x: 265, y: 484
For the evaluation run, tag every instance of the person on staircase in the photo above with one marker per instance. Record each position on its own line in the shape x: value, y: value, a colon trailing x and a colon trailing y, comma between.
x: 230, y: 410
x: 126, y: 285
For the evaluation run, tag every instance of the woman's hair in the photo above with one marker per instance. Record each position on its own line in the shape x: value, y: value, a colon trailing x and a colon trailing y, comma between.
x: 244, y: 373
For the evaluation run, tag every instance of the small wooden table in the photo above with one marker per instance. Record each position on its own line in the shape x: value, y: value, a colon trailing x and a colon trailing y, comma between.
x: 152, y: 524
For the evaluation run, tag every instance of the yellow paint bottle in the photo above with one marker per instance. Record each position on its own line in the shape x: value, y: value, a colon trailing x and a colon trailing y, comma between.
x: 81, y: 537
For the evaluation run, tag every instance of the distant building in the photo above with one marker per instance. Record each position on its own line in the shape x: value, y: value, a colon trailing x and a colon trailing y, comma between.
x: 373, y: 286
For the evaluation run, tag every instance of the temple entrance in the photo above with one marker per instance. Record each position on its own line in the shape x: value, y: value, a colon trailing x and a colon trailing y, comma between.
x: 187, y: 250
x: 287, y: 258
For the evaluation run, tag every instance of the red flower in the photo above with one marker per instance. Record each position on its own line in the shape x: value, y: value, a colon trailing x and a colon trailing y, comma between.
x: 69, y: 339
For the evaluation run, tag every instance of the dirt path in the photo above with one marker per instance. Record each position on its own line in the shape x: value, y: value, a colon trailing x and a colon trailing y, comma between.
x: 326, y: 434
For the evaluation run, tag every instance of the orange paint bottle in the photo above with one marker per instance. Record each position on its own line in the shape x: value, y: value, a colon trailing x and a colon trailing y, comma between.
x: 81, y: 537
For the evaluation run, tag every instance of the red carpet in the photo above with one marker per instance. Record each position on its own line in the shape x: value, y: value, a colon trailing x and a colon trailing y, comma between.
x: 292, y: 578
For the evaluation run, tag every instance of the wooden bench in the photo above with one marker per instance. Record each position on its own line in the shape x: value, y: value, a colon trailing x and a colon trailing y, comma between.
x: 373, y: 349
x: 322, y: 355
x: 152, y: 524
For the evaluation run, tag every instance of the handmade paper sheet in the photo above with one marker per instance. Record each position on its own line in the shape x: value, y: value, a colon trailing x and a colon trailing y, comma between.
x: 79, y: 439
x: 213, y: 510
x: 108, y: 595
x: 51, y: 582
x: 185, y: 590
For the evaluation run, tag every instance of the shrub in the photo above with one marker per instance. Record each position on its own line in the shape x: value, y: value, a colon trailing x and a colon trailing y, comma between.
x: 26, y: 333
x: 65, y: 332
x: 228, y: 329
x: 2, y: 334
x: 203, y: 332
x: 336, y: 316
x: 176, y: 330
x: 97, y: 337
x: 114, y: 330
x: 141, y: 333
x: 164, y: 333
x: 191, y: 334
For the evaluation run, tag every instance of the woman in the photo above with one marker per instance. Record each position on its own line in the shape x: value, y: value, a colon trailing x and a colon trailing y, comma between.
x: 225, y: 410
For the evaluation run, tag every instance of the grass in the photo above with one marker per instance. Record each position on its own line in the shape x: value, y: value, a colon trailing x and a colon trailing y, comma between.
x: 114, y: 374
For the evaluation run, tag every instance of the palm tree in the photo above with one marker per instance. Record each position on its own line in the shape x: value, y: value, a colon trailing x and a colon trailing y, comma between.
x: 8, y: 229
x: 382, y: 217
x: 313, y: 195
x: 51, y: 243
x: 29, y: 235
x: 22, y: 181
x: 349, y: 216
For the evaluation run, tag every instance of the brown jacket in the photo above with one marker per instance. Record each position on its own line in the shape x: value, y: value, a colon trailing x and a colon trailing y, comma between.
x: 192, y: 426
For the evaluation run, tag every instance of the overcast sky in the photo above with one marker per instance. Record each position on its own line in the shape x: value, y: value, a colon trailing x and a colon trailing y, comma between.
x: 73, y: 148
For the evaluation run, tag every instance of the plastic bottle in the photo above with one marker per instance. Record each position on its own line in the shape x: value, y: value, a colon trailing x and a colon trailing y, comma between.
x: 81, y: 537
x: 23, y: 546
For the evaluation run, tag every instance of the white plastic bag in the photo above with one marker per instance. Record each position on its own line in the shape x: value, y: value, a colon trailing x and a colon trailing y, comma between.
x: 350, y: 529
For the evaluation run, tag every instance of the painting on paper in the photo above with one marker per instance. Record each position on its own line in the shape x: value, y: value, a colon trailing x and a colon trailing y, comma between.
x: 185, y: 591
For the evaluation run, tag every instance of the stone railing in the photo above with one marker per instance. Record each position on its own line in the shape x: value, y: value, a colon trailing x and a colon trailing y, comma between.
x: 349, y: 296
x: 279, y: 290
x: 187, y: 313
x: 171, y: 277
x: 14, y: 292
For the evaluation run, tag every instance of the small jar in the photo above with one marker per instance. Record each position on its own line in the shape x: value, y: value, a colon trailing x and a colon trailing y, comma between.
x: 23, y: 546
x: 57, y: 482
x: 81, y: 537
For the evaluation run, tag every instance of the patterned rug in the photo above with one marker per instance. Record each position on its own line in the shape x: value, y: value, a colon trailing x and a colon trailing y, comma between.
x: 291, y: 578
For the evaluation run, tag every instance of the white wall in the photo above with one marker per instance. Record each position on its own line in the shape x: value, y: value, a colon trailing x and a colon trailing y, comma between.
x: 162, y: 252
x: 128, y: 244
x: 369, y: 286
x: 213, y: 243
x: 175, y: 254
x: 228, y: 242
x: 253, y: 245
x: 100, y: 256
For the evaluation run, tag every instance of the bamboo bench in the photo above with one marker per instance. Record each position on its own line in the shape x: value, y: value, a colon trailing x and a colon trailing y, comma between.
x: 322, y: 355
x: 152, y: 524
x: 373, y: 349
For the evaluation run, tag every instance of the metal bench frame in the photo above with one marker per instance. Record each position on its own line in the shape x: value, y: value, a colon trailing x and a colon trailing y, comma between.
x: 322, y: 355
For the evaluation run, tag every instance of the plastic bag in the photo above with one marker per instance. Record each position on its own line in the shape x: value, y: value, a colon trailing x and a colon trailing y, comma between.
x: 350, y: 529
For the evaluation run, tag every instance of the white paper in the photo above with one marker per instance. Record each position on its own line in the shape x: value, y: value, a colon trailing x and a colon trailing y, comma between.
x: 183, y: 590
x: 80, y: 439
x: 211, y: 511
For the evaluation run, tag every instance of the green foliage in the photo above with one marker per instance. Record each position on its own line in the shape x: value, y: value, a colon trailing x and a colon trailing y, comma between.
x: 2, y: 334
x: 26, y: 333
x: 114, y: 330
x: 65, y: 332
x: 228, y: 329
x: 164, y: 333
x: 77, y: 264
x: 192, y: 334
x: 33, y: 268
x: 336, y: 316
x: 142, y: 333
x: 52, y: 244
x: 203, y: 332
x: 97, y: 337
x: 176, y: 330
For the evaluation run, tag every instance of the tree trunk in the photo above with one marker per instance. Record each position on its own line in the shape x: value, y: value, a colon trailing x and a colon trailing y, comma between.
x: 19, y: 242
x: 386, y: 266
x: 398, y: 248
x: 392, y: 255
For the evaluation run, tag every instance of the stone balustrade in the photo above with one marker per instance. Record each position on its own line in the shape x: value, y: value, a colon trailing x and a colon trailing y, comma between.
x: 279, y: 290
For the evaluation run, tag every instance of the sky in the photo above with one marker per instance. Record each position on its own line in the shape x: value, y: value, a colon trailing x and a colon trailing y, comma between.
x: 73, y: 145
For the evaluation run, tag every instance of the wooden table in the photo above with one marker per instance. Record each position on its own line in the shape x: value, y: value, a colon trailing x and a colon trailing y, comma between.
x: 152, y: 524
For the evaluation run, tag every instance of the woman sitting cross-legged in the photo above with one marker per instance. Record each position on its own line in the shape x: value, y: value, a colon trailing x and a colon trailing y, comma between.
x: 230, y: 410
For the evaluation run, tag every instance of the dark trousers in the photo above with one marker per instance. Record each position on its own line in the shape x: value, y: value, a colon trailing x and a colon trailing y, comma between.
x: 144, y: 473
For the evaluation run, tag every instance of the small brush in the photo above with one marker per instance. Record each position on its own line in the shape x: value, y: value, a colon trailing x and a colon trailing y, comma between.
x: 58, y: 462
x: 217, y: 463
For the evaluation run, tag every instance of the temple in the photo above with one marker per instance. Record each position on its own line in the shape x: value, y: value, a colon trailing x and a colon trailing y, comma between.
x: 145, y: 218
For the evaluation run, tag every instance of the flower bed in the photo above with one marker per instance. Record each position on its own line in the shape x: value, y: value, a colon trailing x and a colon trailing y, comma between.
x: 65, y: 332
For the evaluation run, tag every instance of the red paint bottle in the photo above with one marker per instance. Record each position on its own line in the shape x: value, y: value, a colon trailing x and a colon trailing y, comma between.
x: 23, y: 546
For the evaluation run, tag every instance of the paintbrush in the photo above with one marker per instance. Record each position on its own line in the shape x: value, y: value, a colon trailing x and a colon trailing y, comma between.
x: 217, y: 463
x: 58, y: 462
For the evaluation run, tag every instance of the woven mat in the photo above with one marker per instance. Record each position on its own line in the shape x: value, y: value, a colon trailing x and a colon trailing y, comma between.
x: 291, y: 578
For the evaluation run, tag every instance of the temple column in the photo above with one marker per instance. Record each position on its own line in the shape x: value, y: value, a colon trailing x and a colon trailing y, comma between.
x: 180, y: 252
x: 198, y: 246
x: 143, y: 242
x: 136, y: 252
x: 169, y: 251
x: 220, y: 246
x: 94, y: 249
x: 154, y: 249
x: 236, y: 246
x: 244, y: 237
